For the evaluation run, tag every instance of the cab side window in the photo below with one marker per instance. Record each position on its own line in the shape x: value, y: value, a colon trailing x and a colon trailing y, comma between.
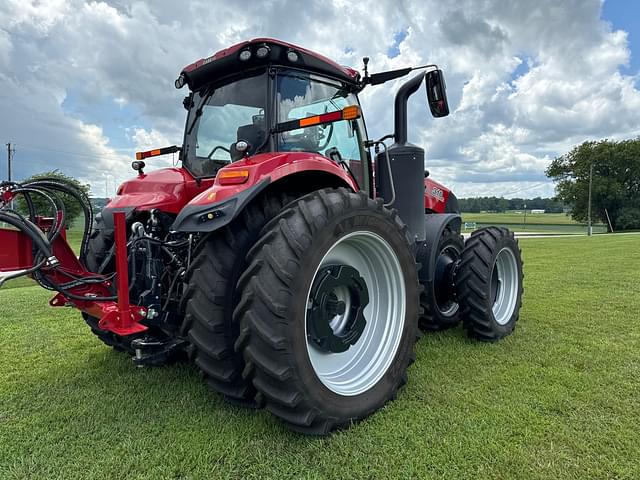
x: 301, y: 95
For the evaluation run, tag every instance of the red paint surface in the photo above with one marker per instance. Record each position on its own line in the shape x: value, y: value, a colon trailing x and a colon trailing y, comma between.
x: 274, y: 166
x: 15, y: 254
x: 435, y: 196
x: 121, y: 320
x: 15, y: 250
x: 167, y: 189
x: 234, y: 48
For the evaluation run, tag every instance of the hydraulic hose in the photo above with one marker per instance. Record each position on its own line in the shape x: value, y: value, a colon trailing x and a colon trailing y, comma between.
x: 57, y: 204
x: 42, y: 244
x: 32, y: 231
x: 83, y: 200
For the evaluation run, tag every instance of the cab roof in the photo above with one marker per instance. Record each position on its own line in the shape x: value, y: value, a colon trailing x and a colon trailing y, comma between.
x: 228, y: 61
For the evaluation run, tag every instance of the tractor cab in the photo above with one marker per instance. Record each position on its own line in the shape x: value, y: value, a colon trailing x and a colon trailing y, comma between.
x: 267, y: 96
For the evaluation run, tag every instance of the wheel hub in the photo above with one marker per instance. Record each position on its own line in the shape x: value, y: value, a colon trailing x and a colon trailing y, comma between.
x: 444, y: 287
x: 335, y: 318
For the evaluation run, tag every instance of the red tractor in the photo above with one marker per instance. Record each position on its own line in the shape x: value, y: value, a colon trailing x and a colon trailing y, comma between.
x: 291, y: 258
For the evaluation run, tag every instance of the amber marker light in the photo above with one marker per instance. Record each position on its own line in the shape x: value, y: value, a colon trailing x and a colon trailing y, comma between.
x: 232, y: 177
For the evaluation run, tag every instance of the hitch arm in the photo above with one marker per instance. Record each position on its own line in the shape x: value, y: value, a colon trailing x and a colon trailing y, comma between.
x: 122, y: 321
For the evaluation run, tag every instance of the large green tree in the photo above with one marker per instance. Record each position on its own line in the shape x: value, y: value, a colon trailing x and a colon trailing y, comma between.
x: 616, y: 181
x: 43, y: 207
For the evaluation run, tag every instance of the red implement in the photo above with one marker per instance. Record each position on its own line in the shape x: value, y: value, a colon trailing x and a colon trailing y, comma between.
x: 95, y: 298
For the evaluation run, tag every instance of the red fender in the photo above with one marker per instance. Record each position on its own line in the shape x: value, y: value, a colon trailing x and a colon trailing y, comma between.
x: 273, y: 166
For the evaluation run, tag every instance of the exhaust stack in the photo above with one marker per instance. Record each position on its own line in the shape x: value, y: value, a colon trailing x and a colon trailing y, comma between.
x: 400, y: 170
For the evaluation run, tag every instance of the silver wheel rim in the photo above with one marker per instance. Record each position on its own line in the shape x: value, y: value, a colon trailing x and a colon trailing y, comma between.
x: 361, y: 367
x: 505, y: 277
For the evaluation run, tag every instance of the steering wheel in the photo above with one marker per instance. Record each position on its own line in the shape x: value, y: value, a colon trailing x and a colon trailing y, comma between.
x: 326, y: 142
x: 221, y: 148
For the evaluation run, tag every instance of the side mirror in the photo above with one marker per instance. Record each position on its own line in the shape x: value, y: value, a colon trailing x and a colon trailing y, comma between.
x: 186, y: 101
x: 437, y: 94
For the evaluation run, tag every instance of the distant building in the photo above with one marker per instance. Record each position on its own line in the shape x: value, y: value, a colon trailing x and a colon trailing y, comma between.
x: 537, y: 210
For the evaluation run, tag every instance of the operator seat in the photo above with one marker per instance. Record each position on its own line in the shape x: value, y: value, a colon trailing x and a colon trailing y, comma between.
x: 254, y: 134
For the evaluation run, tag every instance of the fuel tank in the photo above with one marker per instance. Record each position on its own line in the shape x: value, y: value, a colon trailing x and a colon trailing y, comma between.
x: 400, y: 182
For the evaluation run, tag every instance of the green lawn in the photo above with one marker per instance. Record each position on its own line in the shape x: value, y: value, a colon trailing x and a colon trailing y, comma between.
x: 560, y: 398
x: 510, y: 217
x: 539, y: 222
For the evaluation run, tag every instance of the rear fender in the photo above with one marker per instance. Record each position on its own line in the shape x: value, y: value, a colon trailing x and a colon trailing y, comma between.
x: 220, y: 204
x: 435, y: 224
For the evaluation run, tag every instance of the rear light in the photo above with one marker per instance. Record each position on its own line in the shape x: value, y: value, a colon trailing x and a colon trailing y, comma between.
x: 351, y: 112
x: 347, y: 113
x: 150, y: 153
x: 232, y: 177
x: 157, y: 151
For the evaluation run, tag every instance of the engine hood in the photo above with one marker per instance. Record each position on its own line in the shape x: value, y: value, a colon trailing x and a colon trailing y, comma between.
x: 167, y: 189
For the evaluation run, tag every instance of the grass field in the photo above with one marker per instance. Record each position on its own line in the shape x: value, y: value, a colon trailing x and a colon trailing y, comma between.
x: 539, y: 222
x: 560, y: 398
x: 510, y: 217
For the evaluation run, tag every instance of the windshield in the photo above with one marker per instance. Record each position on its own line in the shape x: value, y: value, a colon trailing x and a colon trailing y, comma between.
x: 221, y: 116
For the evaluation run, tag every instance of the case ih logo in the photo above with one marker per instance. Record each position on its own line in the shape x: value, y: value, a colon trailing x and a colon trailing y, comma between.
x: 438, y: 193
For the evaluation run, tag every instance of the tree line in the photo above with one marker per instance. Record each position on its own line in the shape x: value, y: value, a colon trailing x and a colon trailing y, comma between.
x: 500, y: 205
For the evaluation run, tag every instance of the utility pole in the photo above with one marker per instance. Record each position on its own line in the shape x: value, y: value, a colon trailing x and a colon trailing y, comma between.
x: 10, y: 152
x: 589, y: 228
x: 525, y: 216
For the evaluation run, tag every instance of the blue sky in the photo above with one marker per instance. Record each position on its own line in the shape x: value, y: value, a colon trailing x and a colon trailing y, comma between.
x: 625, y: 15
x: 83, y: 85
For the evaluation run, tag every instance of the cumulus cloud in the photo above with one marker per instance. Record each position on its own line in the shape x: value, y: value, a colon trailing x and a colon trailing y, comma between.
x: 85, y: 84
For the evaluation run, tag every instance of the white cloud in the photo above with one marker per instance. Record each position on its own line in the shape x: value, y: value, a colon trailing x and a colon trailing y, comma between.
x: 502, y: 133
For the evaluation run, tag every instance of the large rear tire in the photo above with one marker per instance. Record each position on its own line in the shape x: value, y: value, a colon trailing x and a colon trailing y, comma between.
x: 329, y: 307
x: 440, y: 307
x: 489, y: 283
x: 212, y: 296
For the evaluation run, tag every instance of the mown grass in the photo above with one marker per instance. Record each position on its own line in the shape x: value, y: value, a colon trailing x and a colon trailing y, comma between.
x: 538, y: 222
x: 560, y: 398
x: 511, y: 217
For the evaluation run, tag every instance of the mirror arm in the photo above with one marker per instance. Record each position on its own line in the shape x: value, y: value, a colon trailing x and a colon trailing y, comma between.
x: 383, y: 77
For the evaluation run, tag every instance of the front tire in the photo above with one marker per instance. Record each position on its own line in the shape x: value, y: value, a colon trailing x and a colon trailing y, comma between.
x: 329, y: 261
x: 489, y: 283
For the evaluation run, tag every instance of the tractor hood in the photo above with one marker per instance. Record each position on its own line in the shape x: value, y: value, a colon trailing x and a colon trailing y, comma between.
x: 168, y: 189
